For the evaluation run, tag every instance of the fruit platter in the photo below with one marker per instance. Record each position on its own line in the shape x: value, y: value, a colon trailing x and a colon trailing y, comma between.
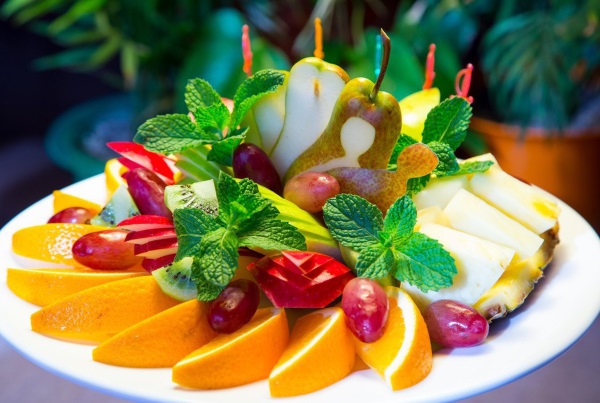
x: 312, y: 238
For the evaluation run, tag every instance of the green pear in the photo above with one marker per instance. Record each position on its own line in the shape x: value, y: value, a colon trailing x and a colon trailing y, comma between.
x: 265, y: 119
x: 313, y: 87
x: 361, y: 132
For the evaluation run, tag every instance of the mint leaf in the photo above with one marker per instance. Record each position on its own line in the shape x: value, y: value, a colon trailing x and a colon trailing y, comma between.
x: 403, y: 142
x: 169, y: 134
x: 210, y: 119
x: 205, y: 104
x: 415, y: 185
x: 248, y: 186
x: 251, y: 90
x: 222, y: 150
x: 245, y: 218
x: 353, y: 221
x: 273, y: 234
x: 400, y: 221
x: 375, y: 261
x: 190, y: 226
x: 390, y: 245
x: 228, y: 190
x: 424, y: 263
x: 206, y: 290
x: 472, y: 167
x: 447, y: 162
x: 219, y: 251
x: 448, y: 122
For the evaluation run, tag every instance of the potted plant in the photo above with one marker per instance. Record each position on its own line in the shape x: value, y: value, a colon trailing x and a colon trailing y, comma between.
x: 148, y: 50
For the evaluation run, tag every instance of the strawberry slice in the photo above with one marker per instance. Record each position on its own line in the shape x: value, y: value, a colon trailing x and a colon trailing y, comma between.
x: 136, y: 156
x: 301, y: 279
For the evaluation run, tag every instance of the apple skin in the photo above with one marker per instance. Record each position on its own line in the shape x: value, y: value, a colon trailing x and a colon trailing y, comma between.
x: 301, y: 279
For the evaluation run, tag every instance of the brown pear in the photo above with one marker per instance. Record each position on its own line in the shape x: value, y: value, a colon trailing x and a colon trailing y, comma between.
x: 382, y: 187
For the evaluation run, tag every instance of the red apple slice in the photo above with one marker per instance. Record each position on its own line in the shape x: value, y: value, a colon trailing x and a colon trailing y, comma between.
x: 135, y: 156
x: 301, y: 279
x: 152, y: 264
x: 156, y: 249
x: 145, y: 222
x: 148, y: 235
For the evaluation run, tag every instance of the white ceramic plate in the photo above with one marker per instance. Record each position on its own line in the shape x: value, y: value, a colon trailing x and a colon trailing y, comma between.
x: 555, y: 315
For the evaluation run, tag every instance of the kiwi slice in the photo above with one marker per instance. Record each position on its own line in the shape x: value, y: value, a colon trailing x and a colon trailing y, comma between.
x: 200, y: 195
x: 175, y: 279
x: 119, y: 207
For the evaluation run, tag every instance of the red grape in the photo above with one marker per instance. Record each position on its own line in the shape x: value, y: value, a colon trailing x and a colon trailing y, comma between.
x: 105, y: 250
x: 72, y: 215
x: 454, y: 324
x: 250, y: 161
x: 234, y: 307
x: 147, y: 191
x: 310, y: 190
x: 366, y: 307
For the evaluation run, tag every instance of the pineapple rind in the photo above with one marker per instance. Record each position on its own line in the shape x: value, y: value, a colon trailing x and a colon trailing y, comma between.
x: 518, y: 280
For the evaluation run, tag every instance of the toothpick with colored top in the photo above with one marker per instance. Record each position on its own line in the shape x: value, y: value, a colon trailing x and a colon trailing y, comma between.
x: 246, y: 51
x: 429, y: 67
x: 318, y: 39
x: 463, y: 83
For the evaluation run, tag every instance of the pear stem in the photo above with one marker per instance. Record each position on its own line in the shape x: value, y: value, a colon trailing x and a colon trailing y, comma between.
x: 385, y: 41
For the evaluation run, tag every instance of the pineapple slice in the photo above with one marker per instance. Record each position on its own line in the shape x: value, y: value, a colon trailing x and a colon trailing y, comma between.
x: 480, y: 264
x: 518, y: 200
x: 439, y: 191
x: 470, y: 214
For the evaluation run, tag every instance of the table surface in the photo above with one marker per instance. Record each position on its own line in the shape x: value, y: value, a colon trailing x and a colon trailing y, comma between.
x: 571, y: 377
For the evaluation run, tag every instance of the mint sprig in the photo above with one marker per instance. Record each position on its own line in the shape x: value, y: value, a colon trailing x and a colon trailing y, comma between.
x: 444, y: 130
x: 389, y: 246
x: 245, y: 219
x: 213, y: 123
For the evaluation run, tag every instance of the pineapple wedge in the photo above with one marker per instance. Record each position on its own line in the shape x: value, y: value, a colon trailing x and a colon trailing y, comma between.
x: 517, y: 281
x: 470, y: 214
x: 480, y: 264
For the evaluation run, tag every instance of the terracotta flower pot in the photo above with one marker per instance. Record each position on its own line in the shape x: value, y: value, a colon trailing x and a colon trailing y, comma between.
x: 567, y: 165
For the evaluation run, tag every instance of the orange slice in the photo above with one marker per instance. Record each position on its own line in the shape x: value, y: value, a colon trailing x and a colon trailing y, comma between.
x: 112, y: 174
x: 64, y: 200
x: 100, y: 312
x: 402, y: 356
x: 44, y: 286
x: 320, y: 353
x: 159, y: 341
x: 244, y: 356
x: 50, y: 242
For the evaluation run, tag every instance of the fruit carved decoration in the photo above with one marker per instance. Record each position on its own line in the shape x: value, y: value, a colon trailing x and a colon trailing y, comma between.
x: 363, y: 129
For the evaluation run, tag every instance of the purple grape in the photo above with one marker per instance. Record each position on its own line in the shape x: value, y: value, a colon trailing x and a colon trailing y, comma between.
x: 72, y: 215
x: 234, y: 307
x: 454, y: 324
x: 250, y: 161
x: 147, y: 191
x: 366, y: 307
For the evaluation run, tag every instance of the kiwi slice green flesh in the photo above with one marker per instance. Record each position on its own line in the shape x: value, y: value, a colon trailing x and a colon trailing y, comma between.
x: 175, y: 279
x: 119, y: 207
x: 200, y: 195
